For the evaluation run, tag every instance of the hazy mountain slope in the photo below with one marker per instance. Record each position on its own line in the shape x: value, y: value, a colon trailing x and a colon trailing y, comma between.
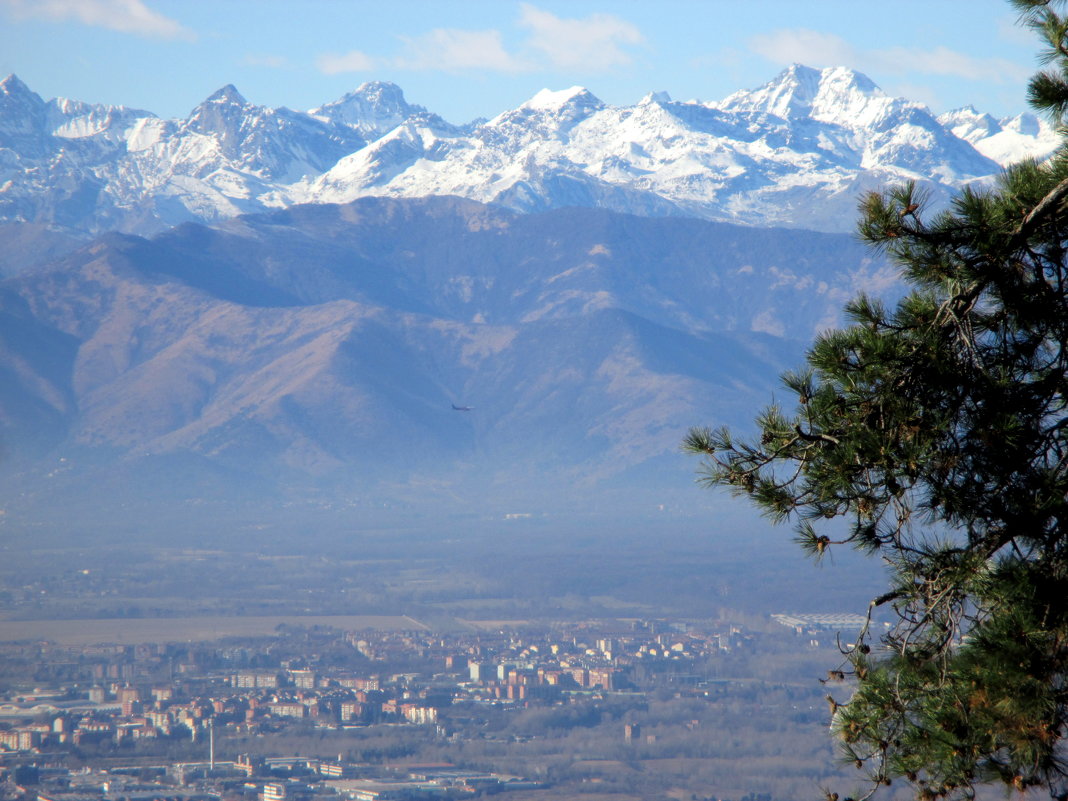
x: 471, y: 262
x: 25, y: 245
x: 37, y: 399
x: 317, y: 352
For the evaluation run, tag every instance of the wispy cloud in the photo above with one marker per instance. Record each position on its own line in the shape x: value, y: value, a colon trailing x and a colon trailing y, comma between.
x: 818, y: 49
x: 943, y: 61
x: 596, y: 43
x: 545, y: 42
x: 917, y: 92
x: 453, y: 50
x: 352, y: 61
x: 125, y: 16
x: 800, y: 45
x: 1010, y: 30
x: 265, y: 60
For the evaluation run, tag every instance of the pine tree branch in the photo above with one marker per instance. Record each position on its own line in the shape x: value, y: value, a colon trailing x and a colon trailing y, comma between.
x: 886, y: 597
x: 1044, y: 207
x: 817, y: 437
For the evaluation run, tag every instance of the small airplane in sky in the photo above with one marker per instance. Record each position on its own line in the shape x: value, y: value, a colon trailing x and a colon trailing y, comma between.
x: 456, y: 408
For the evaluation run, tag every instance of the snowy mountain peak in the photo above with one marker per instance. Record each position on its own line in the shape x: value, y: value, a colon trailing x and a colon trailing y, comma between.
x: 228, y: 95
x: 798, y: 82
x: 74, y: 119
x: 659, y: 98
x: 373, y: 108
x: 223, y: 113
x: 969, y: 124
x: 577, y: 97
x: 21, y: 110
x: 1006, y: 141
x: 383, y: 94
x: 11, y: 85
x: 547, y: 116
x: 843, y: 78
x: 796, y: 151
x: 1026, y: 124
x: 800, y: 91
x: 15, y: 95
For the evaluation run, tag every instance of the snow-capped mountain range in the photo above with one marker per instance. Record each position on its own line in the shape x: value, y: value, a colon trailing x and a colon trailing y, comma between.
x: 795, y: 152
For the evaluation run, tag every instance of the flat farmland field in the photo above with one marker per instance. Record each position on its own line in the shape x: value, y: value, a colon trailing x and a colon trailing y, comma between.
x: 131, y: 631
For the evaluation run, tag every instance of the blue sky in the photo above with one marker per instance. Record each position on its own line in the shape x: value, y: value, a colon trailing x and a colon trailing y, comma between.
x: 480, y: 57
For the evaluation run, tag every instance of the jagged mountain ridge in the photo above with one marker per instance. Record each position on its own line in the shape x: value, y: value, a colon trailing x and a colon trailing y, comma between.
x: 95, y: 168
x: 1002, y: 140
x: 317, y: 352
x: 796, y: 152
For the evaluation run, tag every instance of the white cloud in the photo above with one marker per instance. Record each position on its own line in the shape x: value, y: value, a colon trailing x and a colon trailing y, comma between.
x: 817, y: 49
x: 452, y: 50
x: 917, y: 92
x: 943, y: 61
x: 353, y: 61
x: 1010, y: 30
x: 803, y: 46
x: 125, y: 16
x: 594, y: 43
x: 265, y: 60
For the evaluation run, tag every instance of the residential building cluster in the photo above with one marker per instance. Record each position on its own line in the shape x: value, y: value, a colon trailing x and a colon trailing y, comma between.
x: 70, y: 699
